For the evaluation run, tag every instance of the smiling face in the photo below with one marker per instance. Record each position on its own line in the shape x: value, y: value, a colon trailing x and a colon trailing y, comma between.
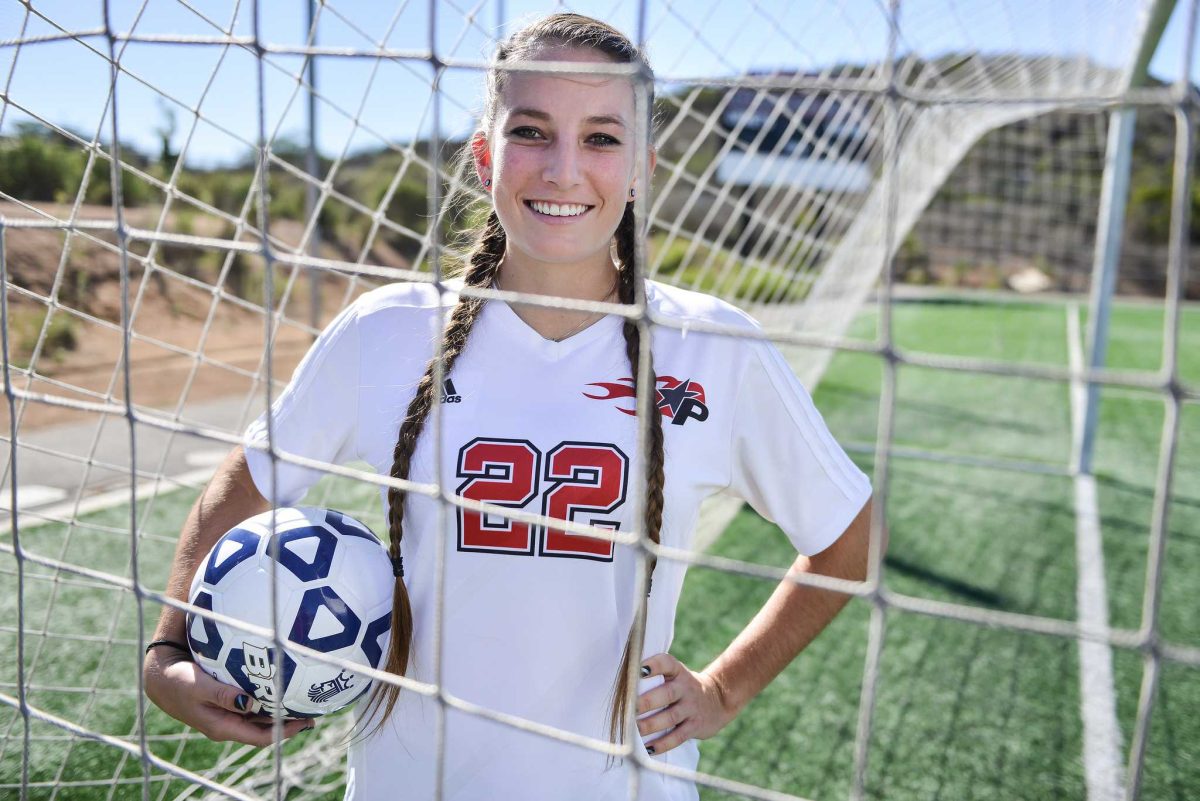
x: 562, y: 157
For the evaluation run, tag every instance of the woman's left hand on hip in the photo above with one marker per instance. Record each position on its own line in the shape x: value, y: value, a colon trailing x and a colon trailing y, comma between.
x: 691, y: 705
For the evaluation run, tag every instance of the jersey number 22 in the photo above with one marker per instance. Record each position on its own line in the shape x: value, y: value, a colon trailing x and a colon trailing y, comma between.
x: 581, y: 482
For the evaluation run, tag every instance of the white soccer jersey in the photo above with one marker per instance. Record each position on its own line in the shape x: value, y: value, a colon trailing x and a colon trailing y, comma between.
x: 535, y: 621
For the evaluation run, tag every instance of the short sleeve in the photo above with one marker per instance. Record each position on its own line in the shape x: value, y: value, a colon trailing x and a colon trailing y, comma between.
x: 785, y: 463
x: 315, y: 415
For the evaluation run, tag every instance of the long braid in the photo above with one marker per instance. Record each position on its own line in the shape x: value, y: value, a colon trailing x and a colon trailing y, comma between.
x: 482, y: 265
x: 626, y: 251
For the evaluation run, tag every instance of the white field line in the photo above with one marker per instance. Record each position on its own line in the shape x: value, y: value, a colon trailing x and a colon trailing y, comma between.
x: 66, y: 512
x: 32, y: 495
x: 1103, y: 766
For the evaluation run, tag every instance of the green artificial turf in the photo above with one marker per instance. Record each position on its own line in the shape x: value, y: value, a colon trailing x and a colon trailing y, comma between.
x: 962, y: 711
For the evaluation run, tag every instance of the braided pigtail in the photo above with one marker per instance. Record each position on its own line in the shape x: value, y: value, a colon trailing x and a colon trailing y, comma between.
x: 626, y: 251
x: 481, y: 270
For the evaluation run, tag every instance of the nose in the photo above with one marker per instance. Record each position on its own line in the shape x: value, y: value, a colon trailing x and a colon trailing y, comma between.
x: 563, y: 167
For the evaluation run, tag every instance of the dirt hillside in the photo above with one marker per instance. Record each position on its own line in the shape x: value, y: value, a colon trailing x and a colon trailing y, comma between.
x: 198, y: 326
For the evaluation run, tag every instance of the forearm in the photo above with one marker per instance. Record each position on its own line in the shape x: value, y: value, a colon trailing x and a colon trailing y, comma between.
x: 229, y: 498
x: 792, y: 617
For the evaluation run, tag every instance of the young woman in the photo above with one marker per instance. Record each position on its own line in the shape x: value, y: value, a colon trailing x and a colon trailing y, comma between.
x: 537, y: 414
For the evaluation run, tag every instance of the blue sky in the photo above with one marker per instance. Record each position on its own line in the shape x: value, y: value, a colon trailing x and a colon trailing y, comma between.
x: 67, y: 84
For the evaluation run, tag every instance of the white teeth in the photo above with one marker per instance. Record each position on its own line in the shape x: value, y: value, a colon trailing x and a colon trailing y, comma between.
x: 557, y: 210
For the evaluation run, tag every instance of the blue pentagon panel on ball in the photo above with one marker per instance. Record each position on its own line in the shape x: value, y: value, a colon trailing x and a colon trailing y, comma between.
x: 325, y: 622
x: 231, y: 550
x: 203, y: 635
x: 307, y: 551
x: 349, y: 527
x: 372, y: 646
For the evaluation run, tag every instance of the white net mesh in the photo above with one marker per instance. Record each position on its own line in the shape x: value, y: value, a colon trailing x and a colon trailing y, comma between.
x: 801, y: 148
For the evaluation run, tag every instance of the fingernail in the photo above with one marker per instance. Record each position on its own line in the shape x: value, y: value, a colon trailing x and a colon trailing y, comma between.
x: 241, y: 701
x: 645, y: 671
x: 650, y: 750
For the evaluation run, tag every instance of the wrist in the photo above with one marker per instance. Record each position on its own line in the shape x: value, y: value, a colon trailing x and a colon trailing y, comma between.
x: 158, y: 657
x: 170, y: 644
x: 726, y: 692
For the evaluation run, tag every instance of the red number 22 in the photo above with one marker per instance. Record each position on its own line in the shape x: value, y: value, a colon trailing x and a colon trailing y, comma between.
x: 583, y: 482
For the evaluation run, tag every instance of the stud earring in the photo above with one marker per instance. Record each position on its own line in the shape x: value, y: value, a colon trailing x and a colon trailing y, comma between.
x: 487, y: 183
x: 632, y: 192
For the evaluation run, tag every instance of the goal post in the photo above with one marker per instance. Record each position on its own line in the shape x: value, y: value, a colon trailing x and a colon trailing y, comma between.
x: 1111, y: 220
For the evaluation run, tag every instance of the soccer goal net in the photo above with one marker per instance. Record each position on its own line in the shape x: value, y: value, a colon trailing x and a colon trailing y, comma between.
x: 190, y: 191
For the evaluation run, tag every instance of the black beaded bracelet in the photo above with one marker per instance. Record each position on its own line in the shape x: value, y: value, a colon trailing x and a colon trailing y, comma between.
x: 171, y: 643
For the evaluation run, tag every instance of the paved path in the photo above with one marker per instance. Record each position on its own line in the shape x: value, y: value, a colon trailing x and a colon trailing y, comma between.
x: 59, y: 464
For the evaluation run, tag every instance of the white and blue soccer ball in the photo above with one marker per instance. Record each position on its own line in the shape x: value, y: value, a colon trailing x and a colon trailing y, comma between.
x: 335, y: 596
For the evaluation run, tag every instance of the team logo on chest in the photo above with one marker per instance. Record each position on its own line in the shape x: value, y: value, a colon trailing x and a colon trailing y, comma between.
x: 678, y: 400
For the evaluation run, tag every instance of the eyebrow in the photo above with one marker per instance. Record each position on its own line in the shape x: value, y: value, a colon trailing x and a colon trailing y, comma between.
x: 596, y: 119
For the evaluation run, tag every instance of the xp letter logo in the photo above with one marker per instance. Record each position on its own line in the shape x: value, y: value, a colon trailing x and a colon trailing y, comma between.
x: 678, y: 400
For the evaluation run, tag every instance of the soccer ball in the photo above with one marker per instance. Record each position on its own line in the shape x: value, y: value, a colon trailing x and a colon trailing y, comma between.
x: 335, y: 596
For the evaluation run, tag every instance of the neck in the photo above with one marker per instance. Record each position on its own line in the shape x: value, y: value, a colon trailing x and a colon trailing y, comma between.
x: 590, y: 281
x: 586, y: 280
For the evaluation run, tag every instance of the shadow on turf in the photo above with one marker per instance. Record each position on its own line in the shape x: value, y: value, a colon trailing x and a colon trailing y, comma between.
x: 952, y: 585
x: 1107, y: 479
x: 965, y: 302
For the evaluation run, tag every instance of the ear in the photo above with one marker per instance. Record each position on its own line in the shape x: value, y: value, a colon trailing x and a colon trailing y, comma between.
x: 481, y: 151
x: 652, y: 159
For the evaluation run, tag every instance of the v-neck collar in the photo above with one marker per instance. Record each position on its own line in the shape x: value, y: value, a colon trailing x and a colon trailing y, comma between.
x: 506, y: 318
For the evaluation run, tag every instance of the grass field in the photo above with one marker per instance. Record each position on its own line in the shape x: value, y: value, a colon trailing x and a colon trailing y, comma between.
x: 963, y: 712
